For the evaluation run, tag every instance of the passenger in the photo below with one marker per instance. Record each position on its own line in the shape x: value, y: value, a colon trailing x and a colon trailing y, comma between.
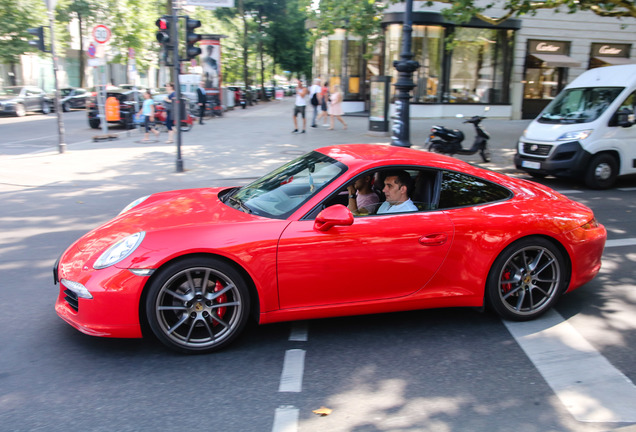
x: 397, y: 186
x: 362, y: 199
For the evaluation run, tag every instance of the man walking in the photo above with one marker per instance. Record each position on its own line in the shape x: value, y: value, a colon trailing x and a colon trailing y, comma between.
x: 314, y: 97
x: 299, y: 107
x: 202, y: 99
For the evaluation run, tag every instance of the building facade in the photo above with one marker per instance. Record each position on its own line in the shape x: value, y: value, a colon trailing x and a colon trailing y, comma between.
x: 513, y: 69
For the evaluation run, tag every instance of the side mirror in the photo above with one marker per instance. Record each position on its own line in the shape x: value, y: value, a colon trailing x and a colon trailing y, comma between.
x: 625, y: 117
x: 335, y: 215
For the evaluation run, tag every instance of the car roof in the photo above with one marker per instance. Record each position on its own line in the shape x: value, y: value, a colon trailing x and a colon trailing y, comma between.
x: 359, y: 155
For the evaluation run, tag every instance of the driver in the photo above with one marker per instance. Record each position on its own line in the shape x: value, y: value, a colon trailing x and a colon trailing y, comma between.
x: 397, y: 186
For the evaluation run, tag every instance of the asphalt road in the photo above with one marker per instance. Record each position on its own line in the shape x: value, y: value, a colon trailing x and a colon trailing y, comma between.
x: 435, y: 370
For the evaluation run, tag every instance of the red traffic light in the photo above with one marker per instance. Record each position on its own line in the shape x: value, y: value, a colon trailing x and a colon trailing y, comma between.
x: 162, y: 23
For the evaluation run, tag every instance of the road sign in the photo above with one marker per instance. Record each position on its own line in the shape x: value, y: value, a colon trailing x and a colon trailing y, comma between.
x: 101, y: 34
x: 92, y: 50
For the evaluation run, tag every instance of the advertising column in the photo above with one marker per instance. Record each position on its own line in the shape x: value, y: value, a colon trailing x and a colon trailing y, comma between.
x: 211, y: 67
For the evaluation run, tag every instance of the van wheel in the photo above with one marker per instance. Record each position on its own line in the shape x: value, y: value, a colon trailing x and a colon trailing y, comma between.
x: 602, y: 171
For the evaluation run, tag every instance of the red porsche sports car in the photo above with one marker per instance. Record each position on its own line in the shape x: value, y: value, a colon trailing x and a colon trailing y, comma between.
x: 194, y: 265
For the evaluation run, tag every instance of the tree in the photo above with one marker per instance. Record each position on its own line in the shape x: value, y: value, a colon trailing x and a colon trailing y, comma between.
x: 84, y: 11
x: 15, y: 18
x: 463, y: 10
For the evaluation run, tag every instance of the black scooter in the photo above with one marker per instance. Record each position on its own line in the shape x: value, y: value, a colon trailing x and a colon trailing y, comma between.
x: 449, y: 141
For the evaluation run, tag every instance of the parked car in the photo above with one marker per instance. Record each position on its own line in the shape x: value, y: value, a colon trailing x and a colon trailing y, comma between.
x: 194, y: 265
x: 125, y: 109
x: 18, y: 100
x: 71, y: 97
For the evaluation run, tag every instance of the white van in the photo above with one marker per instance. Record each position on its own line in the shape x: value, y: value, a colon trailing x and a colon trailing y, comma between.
x: 587, y: 131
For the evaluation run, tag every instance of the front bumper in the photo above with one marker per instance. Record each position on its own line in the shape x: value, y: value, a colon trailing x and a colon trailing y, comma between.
x: 114, y: 309
x: 564, y: 160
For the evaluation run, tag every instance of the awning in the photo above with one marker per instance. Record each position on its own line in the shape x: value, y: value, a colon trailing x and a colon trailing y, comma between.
x: 616, y: 60
x: 557, y: 60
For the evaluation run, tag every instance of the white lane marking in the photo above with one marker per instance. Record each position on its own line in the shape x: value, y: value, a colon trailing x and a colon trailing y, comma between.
x: 586, y: 382
x: 629, y: 189
x: 570, y: 191
x: 285, y: 419
x: 620, y: 242
x: 299, y: 332
x: 291, y: 379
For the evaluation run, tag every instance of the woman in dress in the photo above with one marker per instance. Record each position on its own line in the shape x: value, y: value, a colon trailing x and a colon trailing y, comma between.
x: 335, y: 108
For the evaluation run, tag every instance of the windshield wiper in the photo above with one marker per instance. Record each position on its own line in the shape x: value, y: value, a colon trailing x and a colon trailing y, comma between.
x: 240, y: 204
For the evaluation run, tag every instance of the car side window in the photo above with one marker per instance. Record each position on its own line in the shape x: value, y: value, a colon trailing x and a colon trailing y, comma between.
x: 461, y: 190
x: 628, y: 105
x: 424, y: 191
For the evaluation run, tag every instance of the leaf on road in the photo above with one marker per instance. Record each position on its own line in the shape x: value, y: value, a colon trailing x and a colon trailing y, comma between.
x: 323, y: 411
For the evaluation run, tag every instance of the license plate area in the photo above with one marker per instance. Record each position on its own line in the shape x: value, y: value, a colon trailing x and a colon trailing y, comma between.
x: 531, y: 164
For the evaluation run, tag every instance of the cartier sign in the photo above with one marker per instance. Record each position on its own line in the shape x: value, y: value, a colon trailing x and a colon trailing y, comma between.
x: 611, y: 50
x: 548, y: 47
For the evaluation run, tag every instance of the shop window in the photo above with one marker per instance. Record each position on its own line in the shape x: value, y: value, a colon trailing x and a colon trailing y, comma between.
x: 427, y: 46
x: 477, y: 73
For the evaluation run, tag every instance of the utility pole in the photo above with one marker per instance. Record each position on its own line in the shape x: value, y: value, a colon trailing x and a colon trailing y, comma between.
x: 405, y: 66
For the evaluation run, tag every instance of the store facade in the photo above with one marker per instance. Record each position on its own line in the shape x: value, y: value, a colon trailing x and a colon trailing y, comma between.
x: 515, y: 69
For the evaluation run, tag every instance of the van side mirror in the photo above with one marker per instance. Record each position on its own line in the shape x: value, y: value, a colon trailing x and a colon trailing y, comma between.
x: 335, y: 215
x: 625, y: 117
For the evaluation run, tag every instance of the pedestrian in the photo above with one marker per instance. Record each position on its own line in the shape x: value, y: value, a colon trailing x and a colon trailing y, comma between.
x: 335, y: 108
x: 314, y: 97
x: 169, y: 104
x: 324, y: 99
x: 299, y: 107
x: 148, y: 111
x: 202, y: 97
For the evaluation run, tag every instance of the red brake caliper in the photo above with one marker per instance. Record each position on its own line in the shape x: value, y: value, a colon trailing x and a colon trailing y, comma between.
x: 506, y: 276
x: 220, y: 299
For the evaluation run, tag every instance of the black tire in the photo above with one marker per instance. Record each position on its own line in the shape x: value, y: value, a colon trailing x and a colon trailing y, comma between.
x: 197, y: 305
x: 526, y: 279
x: 602, y: 171
x: 537, y: 175
x: 66, y: 107
x: 93, y: 123
x: 46, y: 108
x: 185, y: 127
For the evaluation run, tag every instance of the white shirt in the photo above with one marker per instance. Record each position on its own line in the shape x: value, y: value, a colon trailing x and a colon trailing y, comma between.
x: 314, y: 89
x: 300, y: 100
x: 406, y: 206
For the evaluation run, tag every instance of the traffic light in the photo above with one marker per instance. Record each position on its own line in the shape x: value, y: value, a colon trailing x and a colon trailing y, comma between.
x: 39, y: 42
x: 165, y: 30
x: 191, y: 38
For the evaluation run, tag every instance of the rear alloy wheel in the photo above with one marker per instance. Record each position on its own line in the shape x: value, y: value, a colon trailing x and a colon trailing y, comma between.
x: 197, y: 305
x: 19, y: 110
x: 527, y: 279
x: 602, y: 171
x: 46, y: 108
x: 93, y: 123
x: 66, y: 107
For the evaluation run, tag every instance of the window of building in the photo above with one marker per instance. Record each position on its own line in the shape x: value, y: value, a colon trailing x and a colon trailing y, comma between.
x: 477, y: 72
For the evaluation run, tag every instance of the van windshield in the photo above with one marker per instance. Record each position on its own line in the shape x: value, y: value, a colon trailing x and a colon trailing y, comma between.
x: 579, y: 105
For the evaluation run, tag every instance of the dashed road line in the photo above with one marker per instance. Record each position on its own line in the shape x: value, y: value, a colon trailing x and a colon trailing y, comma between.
x: 286, y: 419
x: 620, y: 242
x: 291, y: 380
x: 299, y: 332
x: 587, y: 384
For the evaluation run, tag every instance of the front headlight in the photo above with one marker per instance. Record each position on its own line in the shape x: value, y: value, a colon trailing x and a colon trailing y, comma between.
x: 119, y: 250
x: 135, y: 203
x: 576, y: 135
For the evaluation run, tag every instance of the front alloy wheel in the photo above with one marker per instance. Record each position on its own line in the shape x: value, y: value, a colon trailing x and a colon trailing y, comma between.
x: 526, y: 279
x: 197, y: 305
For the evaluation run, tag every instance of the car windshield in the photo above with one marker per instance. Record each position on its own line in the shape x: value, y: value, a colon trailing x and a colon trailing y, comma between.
x: 281, y: 192
x: 579, y: 105
x: 10, y: 91
x: 66, y: 91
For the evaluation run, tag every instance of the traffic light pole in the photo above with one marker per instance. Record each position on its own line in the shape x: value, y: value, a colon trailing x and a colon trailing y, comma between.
x: 176, y: 104
x: 58, y: 109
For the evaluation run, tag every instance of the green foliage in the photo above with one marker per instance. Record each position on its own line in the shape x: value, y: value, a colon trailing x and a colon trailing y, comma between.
x: 15, y: 18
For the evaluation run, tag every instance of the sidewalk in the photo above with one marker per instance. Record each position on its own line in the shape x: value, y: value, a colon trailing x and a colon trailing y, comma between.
x: 241, y: 145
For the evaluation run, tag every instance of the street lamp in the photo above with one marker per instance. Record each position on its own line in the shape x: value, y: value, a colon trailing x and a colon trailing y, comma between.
x: 405, y: 66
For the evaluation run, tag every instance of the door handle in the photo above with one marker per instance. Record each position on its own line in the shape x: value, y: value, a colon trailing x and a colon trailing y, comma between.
x: 433, y: 239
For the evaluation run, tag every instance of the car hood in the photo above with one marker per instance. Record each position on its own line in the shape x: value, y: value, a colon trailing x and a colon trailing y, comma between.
x: 163, y: 211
